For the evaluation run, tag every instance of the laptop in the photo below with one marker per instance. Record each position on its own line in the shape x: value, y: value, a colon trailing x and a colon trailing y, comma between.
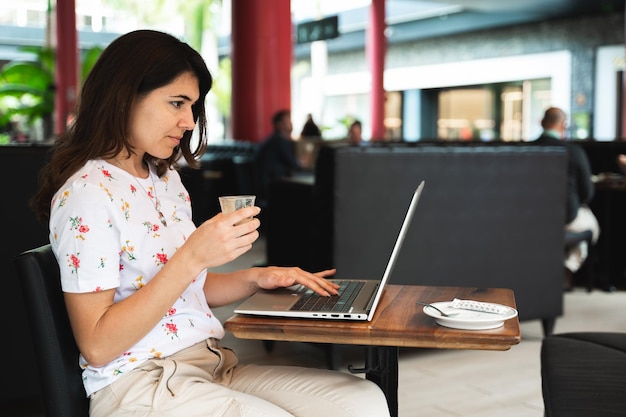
x: 357, y: 299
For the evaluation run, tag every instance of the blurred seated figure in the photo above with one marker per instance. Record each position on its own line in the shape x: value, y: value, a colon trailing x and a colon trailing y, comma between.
x: 355, y: 133
x: 580, y: 189
x: 621, y: 162
x: 276, y: 156
x: 310, y: 130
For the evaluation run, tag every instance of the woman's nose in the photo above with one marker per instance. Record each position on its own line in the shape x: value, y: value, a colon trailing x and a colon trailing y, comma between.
x: 188, y: 122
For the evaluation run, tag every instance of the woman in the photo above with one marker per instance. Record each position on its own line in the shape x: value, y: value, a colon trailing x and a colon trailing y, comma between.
x: 134, y: 266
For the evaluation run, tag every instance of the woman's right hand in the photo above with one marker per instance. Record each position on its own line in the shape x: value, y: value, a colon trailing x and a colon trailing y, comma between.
x: 224, y: 237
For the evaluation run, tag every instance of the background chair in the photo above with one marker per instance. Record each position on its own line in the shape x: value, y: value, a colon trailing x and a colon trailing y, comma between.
x: 55, y: 349
x: 584, y: 374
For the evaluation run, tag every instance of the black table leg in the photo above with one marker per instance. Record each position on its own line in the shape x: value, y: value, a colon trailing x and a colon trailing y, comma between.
x: 381, y: 367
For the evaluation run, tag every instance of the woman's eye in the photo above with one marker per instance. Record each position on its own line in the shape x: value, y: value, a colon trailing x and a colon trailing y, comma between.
x: 177, y: 104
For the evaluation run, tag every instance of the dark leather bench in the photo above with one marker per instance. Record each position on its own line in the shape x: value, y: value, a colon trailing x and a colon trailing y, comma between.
x: 584, y: 374
x: 20, y: 165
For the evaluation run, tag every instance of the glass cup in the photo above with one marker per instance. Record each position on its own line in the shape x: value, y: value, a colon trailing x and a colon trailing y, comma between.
x: 230, y: 203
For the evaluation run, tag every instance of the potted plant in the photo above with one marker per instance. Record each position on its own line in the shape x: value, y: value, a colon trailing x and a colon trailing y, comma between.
x: 27, y: 88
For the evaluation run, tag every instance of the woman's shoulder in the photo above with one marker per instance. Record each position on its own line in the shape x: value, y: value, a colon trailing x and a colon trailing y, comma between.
x: 95, y: 182
x: 95, y: 171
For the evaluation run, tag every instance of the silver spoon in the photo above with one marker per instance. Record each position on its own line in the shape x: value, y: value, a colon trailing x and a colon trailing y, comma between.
x: 440, y: 312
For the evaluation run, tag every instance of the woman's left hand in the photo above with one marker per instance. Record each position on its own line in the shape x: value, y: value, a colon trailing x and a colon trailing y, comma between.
x: 273, y: 277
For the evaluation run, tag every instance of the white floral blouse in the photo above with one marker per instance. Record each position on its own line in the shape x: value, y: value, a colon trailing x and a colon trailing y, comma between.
x: 109, y: 229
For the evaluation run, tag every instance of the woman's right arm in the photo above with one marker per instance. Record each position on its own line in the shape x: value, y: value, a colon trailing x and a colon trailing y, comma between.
x: 104, y: 329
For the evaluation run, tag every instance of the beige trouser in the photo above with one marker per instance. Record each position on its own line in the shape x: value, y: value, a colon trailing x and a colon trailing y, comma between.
x: 205, y: 380
x: 585, y: 220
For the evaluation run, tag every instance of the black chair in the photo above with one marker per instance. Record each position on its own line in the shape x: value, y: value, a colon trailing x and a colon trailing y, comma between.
x: 55, y: 349
x: 584, y: 374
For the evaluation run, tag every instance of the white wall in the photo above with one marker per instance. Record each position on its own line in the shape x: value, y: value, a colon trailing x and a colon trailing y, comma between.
x: 555, y: 66
x: 609, y: 60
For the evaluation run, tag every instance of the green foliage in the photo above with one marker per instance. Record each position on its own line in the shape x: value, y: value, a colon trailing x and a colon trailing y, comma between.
x: 222, y: 87
x: 150, y: 12
x: 198, y: 14
x: 346, y: 121
x: 27, y: 87
x: 90, y: 57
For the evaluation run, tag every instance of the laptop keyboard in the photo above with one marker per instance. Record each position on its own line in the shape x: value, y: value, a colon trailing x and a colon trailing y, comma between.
x: 347, y: 292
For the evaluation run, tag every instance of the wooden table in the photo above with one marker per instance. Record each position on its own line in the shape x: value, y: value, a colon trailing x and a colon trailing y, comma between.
x: 398, y: 322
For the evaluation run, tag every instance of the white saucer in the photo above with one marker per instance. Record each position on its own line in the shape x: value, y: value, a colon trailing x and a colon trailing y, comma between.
x: 468, y: 319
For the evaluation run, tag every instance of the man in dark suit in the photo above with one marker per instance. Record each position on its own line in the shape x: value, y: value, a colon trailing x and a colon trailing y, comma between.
x: 580, y: 188
x: 276, y: 155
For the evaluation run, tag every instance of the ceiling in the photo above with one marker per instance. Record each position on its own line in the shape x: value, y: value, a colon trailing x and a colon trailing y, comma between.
x: 538, y: 8
x: 410, y: 20
x: 522, y: 10
x: 470, y: 15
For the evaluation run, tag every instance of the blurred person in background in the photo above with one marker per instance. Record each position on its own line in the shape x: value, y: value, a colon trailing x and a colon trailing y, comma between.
x: 580, y: 188
x: 355, y: 133
x: 310, y: 130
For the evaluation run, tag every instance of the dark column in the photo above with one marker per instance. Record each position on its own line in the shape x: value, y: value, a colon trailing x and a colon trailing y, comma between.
x: 623, y: 118
x: 66, y: 71
x: 261, y: 53
x: 376, y: 45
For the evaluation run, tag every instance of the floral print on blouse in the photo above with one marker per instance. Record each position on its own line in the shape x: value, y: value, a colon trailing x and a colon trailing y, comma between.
x: 107, y: 232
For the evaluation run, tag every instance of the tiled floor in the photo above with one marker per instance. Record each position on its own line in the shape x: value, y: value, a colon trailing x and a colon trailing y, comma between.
x: 438, y: 383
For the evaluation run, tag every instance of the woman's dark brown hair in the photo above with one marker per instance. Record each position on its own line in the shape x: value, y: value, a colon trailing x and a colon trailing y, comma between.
x: 131, y: 67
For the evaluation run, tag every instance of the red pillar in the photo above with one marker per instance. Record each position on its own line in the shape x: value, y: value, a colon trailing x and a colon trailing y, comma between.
x: 376, y: 45
x: 66, y: 71
x: 261, y: 54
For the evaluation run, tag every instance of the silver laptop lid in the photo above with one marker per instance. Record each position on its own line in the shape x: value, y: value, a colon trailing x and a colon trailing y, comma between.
x: 396, y: 248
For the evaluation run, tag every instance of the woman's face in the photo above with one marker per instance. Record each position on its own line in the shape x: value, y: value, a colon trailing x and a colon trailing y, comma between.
x: 159, y: 120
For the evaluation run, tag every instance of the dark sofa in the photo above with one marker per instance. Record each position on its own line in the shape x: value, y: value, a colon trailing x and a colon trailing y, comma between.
x: 490, y: 216
x: 19, y: 166
x: 584, y: 374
